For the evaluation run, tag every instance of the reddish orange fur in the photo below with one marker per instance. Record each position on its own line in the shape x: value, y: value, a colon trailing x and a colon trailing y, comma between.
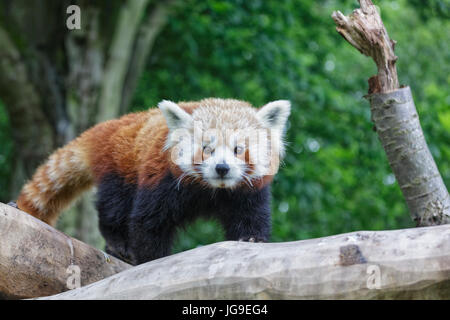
x: 132, y: 146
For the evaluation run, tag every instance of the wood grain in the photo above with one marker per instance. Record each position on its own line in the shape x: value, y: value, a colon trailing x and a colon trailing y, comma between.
x: 34, y: 257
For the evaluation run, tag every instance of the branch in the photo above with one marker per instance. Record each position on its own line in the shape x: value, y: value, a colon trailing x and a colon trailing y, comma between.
x: 401, y: 135
x: 365, y: 30
x: 34, y: 257
x: 401, y: 264
x: 396, y: 119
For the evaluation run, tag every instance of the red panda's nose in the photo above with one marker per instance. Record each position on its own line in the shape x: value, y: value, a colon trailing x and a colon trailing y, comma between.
x: 222, y: 169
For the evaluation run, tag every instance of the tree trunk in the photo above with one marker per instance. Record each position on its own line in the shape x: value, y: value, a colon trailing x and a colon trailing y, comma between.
x: 398, y: 127
x: 401, y: 264
x: 119, y: 57
x: 61, y: 82
x: 37, y: 260
x: 33, y: 138
x: 396, y: 119
x: 86, y: 56
x: 146, y: 36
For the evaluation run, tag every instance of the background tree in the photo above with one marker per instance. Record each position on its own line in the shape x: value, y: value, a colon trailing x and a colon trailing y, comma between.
x: 335, y: 177
x: 55, y: 82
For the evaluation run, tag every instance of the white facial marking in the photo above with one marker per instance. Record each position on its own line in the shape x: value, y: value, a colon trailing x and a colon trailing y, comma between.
x: 222, y: 155
x: 226, y: 142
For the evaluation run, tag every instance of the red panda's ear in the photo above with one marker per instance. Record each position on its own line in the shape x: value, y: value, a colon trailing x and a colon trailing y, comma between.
x: 176, y: 117
x: 274, y: 115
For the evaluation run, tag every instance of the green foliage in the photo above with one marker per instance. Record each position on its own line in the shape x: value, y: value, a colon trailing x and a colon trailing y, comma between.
x: 335, y: 176
x: 428, y: 8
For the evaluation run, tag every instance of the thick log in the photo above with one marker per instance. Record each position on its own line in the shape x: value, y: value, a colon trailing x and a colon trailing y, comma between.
x: 38, y: 260
x: 396, y: 120
x: 400, y: 264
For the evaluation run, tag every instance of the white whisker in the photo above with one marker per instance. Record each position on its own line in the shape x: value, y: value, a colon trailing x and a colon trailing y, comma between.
x: 247, y: 180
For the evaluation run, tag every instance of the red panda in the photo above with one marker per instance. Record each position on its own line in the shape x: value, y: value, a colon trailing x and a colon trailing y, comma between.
x: 158, y: 170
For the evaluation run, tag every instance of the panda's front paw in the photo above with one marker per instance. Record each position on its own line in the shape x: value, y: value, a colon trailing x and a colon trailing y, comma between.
x: 13, y: 204
x: 252, y: 239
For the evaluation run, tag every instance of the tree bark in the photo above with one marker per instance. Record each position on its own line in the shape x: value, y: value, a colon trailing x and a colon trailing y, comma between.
x: 396, y: 119
x: 365, y: 30
x: 398, y: 127
x: 33, y: 136
x: 145, y: 39
x: 119, y: 53
x: 36, y: 260
x: 401, y: 264
x: 85, y: 55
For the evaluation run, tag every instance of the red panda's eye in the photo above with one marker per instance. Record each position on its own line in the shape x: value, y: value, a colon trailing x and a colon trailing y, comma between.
x: 238, y: 150
x: 208, y: 150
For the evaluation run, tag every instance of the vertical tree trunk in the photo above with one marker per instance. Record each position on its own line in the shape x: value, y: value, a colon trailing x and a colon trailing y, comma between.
x: 396, y: 119
x: 56, y: 83
x: 86, y: 58
x: 119, y: 55
x: 34, y: 138
x: 146, y: 36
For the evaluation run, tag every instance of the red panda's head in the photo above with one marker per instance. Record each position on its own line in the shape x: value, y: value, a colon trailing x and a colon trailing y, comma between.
x: 225, y: 143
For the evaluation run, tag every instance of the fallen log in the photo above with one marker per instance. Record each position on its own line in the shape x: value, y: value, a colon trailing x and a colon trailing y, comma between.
x: 399, y: 264
x: 38, y: 260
